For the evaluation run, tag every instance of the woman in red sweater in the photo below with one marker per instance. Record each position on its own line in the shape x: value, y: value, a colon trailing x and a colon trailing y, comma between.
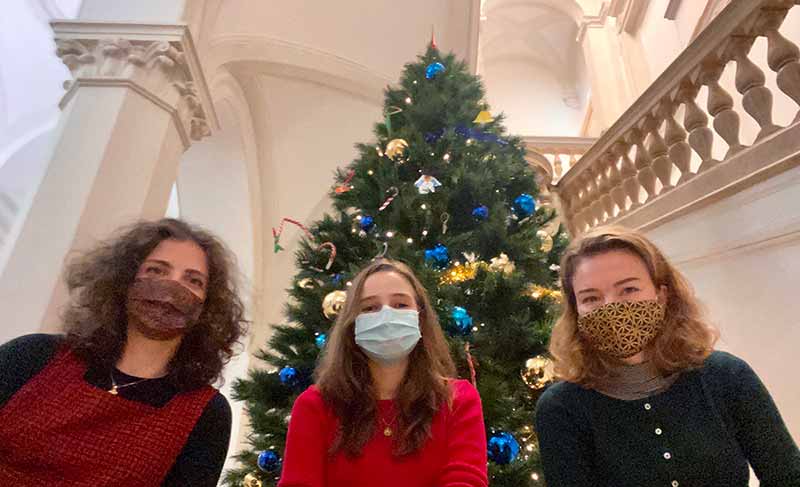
x: 386, y: 410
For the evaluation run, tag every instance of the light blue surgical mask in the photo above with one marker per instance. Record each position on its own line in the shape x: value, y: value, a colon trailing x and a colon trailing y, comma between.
x: 388, y: 335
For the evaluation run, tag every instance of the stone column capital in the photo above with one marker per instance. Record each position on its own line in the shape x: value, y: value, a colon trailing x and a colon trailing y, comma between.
x: 158, y: 61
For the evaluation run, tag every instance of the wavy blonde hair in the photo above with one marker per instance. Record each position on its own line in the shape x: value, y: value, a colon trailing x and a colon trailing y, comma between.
x: 344, y: 380
x: 686, y: 339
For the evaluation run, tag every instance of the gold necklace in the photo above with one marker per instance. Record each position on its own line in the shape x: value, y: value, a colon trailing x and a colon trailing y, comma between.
x: 116, y: 387
x: 387, y: 426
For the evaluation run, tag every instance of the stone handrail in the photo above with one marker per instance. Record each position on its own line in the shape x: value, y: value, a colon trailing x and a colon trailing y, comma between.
x: 555, y: 155
x: 649, y: 166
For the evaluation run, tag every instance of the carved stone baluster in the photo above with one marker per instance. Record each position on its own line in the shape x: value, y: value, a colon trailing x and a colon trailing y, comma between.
x: 680, y: 152
x: 573, y: 159
x: 604, y: 188
x: 617, y: 192
x: 630, y: 185
x: 720, y: 106
x: 577, y: 193
x: 558, y: 169
x: 695, y: 120
x: 643, y: 163
x: 782, y: 55
x: 659, y: 152
x: 756, y: 98
x: 581, y: 216
x: 595, y: 196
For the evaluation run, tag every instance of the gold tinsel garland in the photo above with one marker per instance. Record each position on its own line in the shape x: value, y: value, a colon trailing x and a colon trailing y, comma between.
x: 537, y: 292
x: 461, y: 272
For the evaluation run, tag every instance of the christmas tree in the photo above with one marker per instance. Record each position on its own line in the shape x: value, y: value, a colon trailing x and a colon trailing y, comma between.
x: 443, y: 189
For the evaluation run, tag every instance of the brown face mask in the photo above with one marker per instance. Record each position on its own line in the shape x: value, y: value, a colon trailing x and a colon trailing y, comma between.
x: 162, y: 309
x: 624, y: 328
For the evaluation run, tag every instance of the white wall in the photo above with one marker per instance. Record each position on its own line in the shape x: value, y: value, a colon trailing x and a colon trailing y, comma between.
x: 532, y: 99
x: 31, y: 79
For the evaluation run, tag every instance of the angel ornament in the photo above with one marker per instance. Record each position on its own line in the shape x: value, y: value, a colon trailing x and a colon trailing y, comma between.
x: 427, y: 184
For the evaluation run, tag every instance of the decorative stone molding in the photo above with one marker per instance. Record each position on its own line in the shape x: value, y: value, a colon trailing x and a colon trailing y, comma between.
x: 629, y: 15
x: 593, y: 21
x: 158, y: 61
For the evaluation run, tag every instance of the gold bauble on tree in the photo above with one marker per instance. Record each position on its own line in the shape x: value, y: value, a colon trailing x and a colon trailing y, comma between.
x: 538, y: 372
x: 395, y: 148
x: 332, y: 303
x: 251, y: 480
x: 547, y: 241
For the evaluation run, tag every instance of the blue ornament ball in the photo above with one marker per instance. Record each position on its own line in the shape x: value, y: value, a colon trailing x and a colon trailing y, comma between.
x: 524, y: 205
x: 502, y: 448
x: 480, y: 212
x: 462, y: 320
x: 434, y: 69
x: 337, y: 278
x: 289, y: 376
x: 321, y: 340
x: 268, y: 461
x: 366, y: 223
x: 437, y: 257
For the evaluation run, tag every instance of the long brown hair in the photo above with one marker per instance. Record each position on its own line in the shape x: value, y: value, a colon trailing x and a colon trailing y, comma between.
x: 686, y: 338
x: 96, y: 322
x: 343, y: 375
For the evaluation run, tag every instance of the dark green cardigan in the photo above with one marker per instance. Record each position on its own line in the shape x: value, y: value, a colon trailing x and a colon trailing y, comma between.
x: 701, y: 432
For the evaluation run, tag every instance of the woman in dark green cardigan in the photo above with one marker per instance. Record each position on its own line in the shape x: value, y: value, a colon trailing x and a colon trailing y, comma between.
x: 645, y: 400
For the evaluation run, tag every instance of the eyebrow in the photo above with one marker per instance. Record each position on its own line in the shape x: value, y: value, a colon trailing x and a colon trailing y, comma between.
x: 404, y: 295
x: 618, y: 283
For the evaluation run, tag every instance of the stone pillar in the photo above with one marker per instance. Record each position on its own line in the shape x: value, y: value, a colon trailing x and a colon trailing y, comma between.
x: 136, y: 102
x: 612, y: 92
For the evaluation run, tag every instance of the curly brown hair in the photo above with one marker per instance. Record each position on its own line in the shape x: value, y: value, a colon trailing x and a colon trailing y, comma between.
x: 345, y: 382
x: 95, y: 319
x: 686, y: 339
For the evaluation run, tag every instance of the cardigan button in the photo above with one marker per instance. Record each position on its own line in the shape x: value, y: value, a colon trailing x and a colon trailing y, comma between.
x: 667, y: 456
x: 675, y: 483
x: 647, y: 406
x: 658, y: 431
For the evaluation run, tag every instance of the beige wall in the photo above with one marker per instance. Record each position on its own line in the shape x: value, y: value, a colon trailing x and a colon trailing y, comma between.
x: 743, y: 257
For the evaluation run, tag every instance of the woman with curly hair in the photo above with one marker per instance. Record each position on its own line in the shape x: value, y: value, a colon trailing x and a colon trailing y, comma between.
x: 645, y: 399
x: 386, y: 409
x: 125, y: 396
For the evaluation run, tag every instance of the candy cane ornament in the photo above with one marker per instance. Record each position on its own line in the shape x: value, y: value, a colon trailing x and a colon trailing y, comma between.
x: 333, y: 253
x: 391, y: 198
x: 276, y: 234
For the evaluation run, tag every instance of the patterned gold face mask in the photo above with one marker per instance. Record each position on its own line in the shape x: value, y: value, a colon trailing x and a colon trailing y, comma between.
x: 624, y: 328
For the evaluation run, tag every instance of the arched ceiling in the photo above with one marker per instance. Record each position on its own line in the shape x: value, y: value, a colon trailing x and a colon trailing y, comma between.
x: 531, y: 32
x: 379, y: 36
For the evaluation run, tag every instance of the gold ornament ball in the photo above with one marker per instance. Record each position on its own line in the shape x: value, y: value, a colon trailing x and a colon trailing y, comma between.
x: 547, y: 241
x: 395, y: 148
x: 251, y: 480
x: 332, y: 303
x: 538, y: 372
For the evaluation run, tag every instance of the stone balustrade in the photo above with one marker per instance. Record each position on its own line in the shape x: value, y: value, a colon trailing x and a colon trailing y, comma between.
x: 658, y: 160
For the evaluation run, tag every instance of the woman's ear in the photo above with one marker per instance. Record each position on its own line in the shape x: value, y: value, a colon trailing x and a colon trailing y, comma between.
x: 662, y: 294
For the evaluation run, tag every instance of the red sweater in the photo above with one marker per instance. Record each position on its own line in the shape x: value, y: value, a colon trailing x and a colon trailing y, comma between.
x: 455, y: 455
